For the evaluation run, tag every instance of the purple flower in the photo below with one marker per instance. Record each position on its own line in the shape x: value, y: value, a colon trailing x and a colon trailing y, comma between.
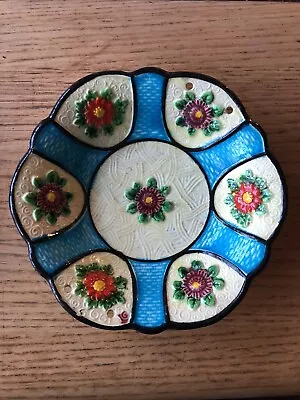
x: 149, y: 200
x: 197, y: 114
x: 197, y: 283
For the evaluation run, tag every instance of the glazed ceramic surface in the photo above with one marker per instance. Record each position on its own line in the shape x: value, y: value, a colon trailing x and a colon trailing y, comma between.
x: 148, y: 200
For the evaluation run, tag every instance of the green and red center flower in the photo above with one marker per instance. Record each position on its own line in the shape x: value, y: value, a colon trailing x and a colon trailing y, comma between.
x: 247, y: 198
x: 99, y: 112
x: 98, y: 285
x: 198, y: 114
x: 149, y: 201
x: 197, y: 284
x: 248, y: 194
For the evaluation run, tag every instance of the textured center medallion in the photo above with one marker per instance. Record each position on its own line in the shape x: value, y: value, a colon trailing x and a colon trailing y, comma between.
x: 149, y: 200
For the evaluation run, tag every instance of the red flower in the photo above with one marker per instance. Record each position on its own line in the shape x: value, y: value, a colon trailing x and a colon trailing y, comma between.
x: 247, y: 198
x: 99, y: 285
x: 197, y: 284
x: 99, y: 112
x: 51, y: 198
x: 149, y: 200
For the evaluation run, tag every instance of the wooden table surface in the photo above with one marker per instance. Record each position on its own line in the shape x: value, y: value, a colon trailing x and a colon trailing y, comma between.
x: 251, y: 47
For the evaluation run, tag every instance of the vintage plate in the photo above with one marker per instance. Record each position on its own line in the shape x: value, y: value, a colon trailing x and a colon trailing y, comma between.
x: 148, y: 200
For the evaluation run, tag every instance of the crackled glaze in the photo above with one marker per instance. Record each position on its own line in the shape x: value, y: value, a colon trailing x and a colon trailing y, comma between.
x: 188, y: 192
x: 65, y: 283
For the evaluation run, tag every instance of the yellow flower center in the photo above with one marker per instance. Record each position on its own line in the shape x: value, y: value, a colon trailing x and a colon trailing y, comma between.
x: 198, y: 114
x: 247, y: 197
x: 196, y: 285
x: 99, y: 285
x: 99, y: 112
x: 51, y: 196
x: 148, y: 200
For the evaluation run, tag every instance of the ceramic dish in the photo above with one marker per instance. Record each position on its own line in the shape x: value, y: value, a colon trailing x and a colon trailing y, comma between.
x: 148, y: 200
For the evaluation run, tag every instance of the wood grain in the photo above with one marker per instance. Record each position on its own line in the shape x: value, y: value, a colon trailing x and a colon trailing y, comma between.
x: 254, y: 49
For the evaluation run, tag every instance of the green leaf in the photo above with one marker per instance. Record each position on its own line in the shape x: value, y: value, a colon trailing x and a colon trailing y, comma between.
x: 131, y: 208
x: 69, y: 196
x: 197, y: 264
x: 233, y: 185
x: 66, y: 211
x: 177, y: 284
x: 164, y: 190
x: 118, y: 119
x: 30, y: 198
x: 182, y: 271
x: 91, y: 131
x: 80, y: 106
x: 207, y: 132
x: 158, y: 216
x: 106, y: 268
x: 37, y: 214
x: 217, y: 111
x: 208, y: 97
x: 52, y: 176
x: 229, y: 200
x: 80, y: 292
x: 143, y: 218
x: 107, y: 94
x: 167, y: 206
x: 180, y: 121
x: 136, y: 186
x: 120, y: 282
x: 79, y: 120
x: 193, y: 303
x: 209, y: 300
x: 235, y: 213
x: 61, y: 182
x: 130, y: 194
x: 261, y: 210
x: 178, y: 295
x: 189, y: 96
x: 119, y: 296
x: 90, y: 95
x: 121, y: 106
x: 244, y: 220
x: 213, y: 271
x: 266, y: 195
x: 247, y: 177
x: 151, y: 182
x: 191, y: 131
x: 215, y: 125
x: 260, y: 182
x: 219, y: 283
x: 180, y: 104
x: 51, y: 218
x: 108, y: 130
x: 37, y: 182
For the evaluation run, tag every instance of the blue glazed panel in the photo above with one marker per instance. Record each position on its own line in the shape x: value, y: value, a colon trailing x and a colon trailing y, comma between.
x: 149, y: 104
x: 242, y: 145
x: 54, y: 253
x: 73, y: 155
x: 243, y: 251
x: 149, y: 312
